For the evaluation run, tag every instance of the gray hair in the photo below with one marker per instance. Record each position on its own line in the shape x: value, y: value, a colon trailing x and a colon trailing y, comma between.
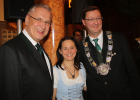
x: 39, y: 5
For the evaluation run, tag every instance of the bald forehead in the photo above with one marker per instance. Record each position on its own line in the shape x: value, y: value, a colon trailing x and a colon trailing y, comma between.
x: 39, y: 10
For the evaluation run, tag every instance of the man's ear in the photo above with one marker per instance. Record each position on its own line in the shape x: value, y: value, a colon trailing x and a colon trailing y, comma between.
x: 83, y: 21
x: 26, y: 20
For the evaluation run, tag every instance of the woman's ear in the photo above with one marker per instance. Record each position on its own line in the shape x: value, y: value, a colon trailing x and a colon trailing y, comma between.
x: 60, y: 51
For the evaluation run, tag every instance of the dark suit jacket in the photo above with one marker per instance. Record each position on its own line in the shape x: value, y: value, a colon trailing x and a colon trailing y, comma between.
x: 23, y: 72
x: 122, y: 82
x: 136, y: 54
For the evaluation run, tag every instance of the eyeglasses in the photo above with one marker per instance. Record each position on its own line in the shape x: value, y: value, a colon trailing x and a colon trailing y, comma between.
x: 39, y: 20
x: 93, y: 19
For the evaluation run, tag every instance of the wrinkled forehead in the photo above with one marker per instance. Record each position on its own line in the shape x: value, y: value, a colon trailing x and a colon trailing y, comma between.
x: 36, y: 8
x: 39, y: 11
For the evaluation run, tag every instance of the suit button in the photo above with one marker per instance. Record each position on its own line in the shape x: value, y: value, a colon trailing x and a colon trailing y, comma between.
x: 107, y: 96
x: 105, y: 83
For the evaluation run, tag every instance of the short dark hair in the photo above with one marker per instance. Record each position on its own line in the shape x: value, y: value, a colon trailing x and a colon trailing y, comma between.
x: 77, y: 30
x: 89, y: 8
x: 60, y: 58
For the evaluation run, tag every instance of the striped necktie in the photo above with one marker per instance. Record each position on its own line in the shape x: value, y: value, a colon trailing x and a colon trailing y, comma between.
x: 99, y: 53
x: 97, y: 45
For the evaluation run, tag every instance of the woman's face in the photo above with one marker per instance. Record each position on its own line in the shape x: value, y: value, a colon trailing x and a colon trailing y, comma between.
x: 68, y: 50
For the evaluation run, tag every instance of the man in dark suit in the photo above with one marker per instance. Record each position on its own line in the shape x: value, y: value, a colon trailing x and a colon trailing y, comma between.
x: 25, y: 74
x: 111, y: 73
x: 78, y: 35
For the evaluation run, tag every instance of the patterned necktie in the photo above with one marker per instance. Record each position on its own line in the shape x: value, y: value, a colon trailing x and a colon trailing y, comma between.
x: 97, y: 45
x: 40, y: 50
x: 100, y: 58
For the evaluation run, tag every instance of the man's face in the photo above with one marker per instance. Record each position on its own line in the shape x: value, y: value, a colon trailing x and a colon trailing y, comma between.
x: 78, y: 36
x: 93, y: 23
x: 38, y: 23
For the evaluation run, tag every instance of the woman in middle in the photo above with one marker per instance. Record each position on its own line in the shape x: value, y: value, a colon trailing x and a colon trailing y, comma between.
x: 69, y: 73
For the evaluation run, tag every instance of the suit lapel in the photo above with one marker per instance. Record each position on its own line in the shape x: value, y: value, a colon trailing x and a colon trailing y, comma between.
x: 35, y: 53
x: 27, y: 42
x: 49, y: 63
x: 105, y: 46
x: 42, y: 62
x: 93, y: 51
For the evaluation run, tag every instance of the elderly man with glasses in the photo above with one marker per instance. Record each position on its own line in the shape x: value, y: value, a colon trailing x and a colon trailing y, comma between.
x: 25, y: 68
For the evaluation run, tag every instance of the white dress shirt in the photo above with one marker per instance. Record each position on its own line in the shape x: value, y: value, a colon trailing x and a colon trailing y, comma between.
x: 100, y: 40
x: 34, y: 43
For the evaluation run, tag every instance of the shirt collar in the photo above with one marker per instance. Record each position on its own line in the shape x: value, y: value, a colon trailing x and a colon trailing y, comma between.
x: 100, y: 39
x: 28, y: 36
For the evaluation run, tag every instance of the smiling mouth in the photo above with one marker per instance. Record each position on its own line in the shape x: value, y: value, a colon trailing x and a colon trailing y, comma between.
x: 69, y: 55
x: 40, y: 31
x: 95, y: 26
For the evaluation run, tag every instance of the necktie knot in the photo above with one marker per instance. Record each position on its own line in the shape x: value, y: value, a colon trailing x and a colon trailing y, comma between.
x: 39, y: 48
x: 96, y: 41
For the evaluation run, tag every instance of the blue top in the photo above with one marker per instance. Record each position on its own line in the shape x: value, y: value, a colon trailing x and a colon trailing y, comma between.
x: 70, y: 92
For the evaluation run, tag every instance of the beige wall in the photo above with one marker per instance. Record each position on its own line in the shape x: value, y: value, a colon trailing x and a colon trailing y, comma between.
x: 1, y: 10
